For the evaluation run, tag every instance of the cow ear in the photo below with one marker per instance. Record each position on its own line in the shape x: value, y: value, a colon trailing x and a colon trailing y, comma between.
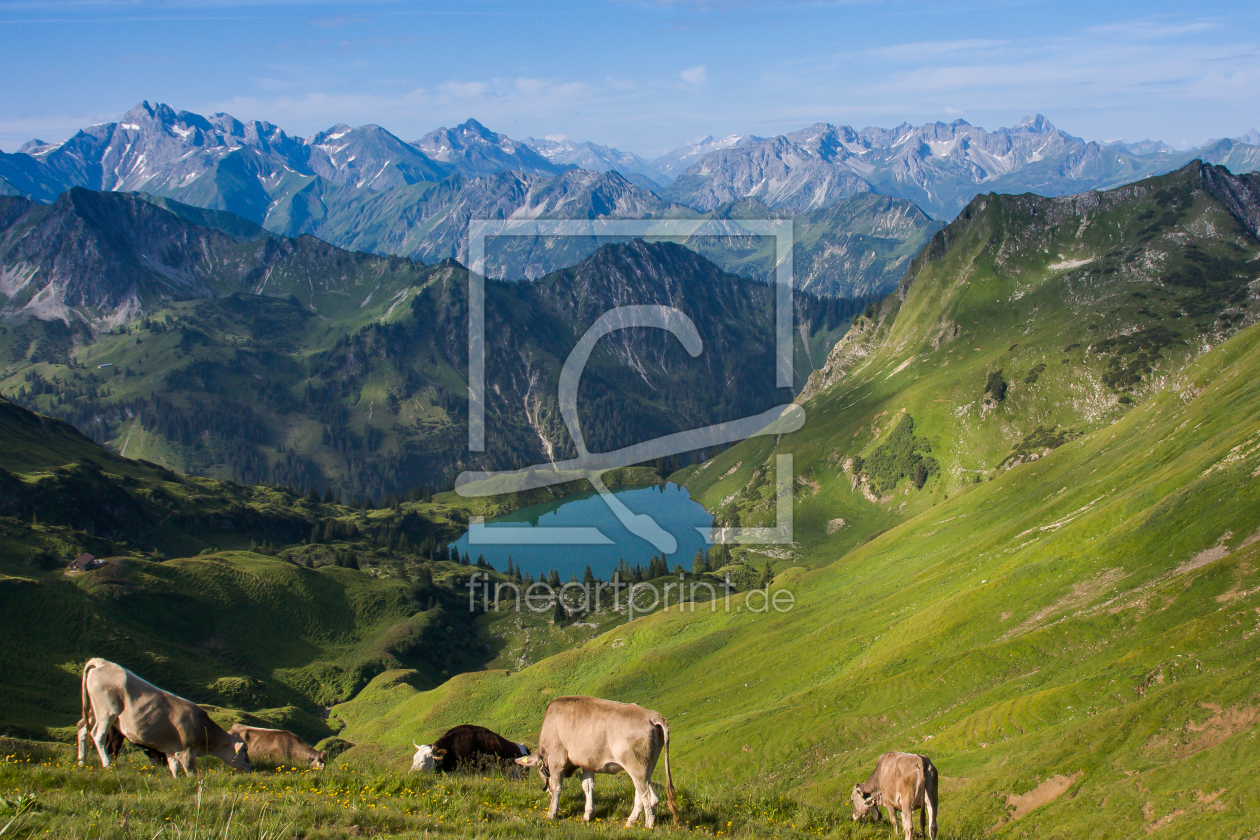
x: 439, y: 753
x: 239, y: 745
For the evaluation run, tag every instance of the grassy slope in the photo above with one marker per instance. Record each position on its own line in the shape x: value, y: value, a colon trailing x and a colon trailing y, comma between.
x: 235, y: 628
x: 1061, y: 617
x: 63, y: 493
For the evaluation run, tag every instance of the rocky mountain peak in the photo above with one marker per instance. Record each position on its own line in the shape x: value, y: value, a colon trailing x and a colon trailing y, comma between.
x: 1036, y: 124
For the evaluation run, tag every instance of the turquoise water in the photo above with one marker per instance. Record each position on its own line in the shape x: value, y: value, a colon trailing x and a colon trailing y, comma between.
x: 669, y: 504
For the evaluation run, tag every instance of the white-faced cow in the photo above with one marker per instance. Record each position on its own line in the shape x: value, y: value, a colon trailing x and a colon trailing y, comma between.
x: 425, y: 757
x: 279, y: 743
x: 153, y: 718
x: 467, y: 744
x: 601, y: 736
x: 901, y: 782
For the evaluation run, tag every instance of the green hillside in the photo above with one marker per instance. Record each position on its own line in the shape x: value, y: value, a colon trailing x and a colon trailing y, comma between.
x: 1063, y: 616
x: 1024, y: 324
x: 275, y: 606
x: 289, y: 604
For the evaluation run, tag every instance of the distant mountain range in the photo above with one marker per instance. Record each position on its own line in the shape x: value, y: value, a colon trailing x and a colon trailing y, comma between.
x: 366, y: 189
x: 938, y: 166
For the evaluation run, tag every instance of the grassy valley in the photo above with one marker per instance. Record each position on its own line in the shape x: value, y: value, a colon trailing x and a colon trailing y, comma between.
x: 1027, y: 535
x: 1064, y: 621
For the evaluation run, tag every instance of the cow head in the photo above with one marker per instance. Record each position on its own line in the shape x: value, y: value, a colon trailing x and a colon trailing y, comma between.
x: 320, y: 760
x: 537, y: 761
x: 864, y: 803
x: 237, y: 755
x: 426, y: 758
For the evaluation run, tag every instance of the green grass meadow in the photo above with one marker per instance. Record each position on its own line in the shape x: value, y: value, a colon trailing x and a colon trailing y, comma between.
x: 1061, y: 607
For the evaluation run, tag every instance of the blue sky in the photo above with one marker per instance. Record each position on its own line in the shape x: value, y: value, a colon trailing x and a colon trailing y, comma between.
x: 642, y: 76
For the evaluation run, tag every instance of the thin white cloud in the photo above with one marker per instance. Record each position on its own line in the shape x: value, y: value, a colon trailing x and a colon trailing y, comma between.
x: 696, y: 76
x: 463, y: 90
x: 924, y: 49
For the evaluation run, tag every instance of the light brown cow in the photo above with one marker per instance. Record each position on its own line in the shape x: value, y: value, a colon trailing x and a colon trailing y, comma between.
x: 901, y: 782
x: 148, y: 716
x: 602, y: 736
x: 279, y: 743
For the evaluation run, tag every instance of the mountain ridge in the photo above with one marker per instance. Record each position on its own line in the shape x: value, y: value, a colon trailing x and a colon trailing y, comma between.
x: 237, y: 353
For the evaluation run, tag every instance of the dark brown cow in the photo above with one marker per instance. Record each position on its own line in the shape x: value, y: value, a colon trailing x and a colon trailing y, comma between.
x: 901, y: 782
x: 466, y: 743
x: 279, y: 743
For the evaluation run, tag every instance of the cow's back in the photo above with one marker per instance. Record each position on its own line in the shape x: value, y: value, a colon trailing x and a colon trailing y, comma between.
x: 469, y: 741
x: 147, y: 714
x: 264, y: 740
x: 900, y: 771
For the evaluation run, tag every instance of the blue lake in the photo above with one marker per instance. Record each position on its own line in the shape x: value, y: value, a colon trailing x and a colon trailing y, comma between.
x: 669, y: 504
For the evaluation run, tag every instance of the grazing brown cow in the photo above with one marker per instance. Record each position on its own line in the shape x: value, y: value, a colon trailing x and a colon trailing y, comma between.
x: 901, y: 782
x: 279, y: 743
x: 467, y: 744
x: 146, y: 715
x: 602, y: 736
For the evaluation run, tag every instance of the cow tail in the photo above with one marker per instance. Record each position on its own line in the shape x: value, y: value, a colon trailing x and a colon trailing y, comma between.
x: 83, y: 695
x: 670, y: 797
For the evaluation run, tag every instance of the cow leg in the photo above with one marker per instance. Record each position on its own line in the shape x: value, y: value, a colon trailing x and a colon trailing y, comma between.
x: 553, y: 783
x: 82, y: 736
x: 650, y: 801
x: 638, y: 803
x: 588, y: 787
x: 184, y: 759
x: 929, y: 812
x: 100, y: 737
x: 907, y: 822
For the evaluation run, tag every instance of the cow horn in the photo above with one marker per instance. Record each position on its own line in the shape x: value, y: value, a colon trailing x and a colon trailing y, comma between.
x: 417, y: 746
